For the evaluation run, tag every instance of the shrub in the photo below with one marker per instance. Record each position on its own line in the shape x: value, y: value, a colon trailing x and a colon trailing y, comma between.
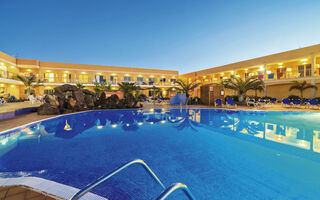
x: 293, y: 97
x: 194, y: 101
x: 267, y: 97
x: 234, y: 97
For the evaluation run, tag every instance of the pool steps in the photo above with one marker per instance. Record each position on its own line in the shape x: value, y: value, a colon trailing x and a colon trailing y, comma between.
x: 164, y: 194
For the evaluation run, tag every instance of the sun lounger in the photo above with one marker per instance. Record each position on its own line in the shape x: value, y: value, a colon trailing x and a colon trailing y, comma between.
x: 314, y: 103
x: 218, y: 102
x: 262, y: 102
x: 285, y: 102
x: 296, y: 102
x: 251, y: 102
x: 230, y: 102
x: 273, y: 100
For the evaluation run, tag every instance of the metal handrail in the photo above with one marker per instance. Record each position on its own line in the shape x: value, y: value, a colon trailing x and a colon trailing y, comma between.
x: 165, y: 193
x: 102, y: 179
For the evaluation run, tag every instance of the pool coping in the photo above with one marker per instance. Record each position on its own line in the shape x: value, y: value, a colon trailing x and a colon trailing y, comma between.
x: 49, y: 187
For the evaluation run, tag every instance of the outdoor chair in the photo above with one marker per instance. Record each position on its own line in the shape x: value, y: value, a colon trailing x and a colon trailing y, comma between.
x: 314, y: 103
x: 296, y: 102
x: 2, y: 101
x: 285, y: 102
x: 273, y: 100
x: 230, y: 102
x: 218, y: 102
x: 262, y: 102
x: 306, y: 102
x: 251, y: 102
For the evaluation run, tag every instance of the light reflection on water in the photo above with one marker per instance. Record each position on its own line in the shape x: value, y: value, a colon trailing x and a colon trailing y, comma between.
x: 297, y: 129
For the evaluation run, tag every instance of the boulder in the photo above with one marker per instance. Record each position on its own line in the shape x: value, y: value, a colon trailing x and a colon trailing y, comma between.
x: 48, y: 109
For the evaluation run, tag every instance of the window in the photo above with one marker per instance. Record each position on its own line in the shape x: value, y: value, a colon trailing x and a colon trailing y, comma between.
x: 66, y: 78
x: 99, y: 79
x: 139, y: 80
x: 151, y: 81
x: 48, y: 91
x: 49, y: 77
x: 3, y: 71
x: 127, y: 79
x: 308, y: 70
x: 173, y: 80
x: 301, y: 70
x: 83, y: 78
x: 162, y: 80
x: 113, y: 79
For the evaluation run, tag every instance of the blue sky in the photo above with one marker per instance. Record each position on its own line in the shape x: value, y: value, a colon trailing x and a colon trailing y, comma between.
x: 167, y: 34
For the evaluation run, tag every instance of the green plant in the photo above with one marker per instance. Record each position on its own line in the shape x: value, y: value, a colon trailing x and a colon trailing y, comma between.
x: 29, y: 82
x: 258, y: 86
x: 293, y: 97
x: 101, y: 87
x: 301, y: 86
x: 127, y: 88
x: 139, y: 95
x: 79, y: 85
x: 242, y: 86
x: 185, y: 87
x: 234, y: 97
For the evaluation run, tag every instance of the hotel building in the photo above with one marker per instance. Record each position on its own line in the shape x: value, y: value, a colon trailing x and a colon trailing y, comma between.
x: 54, y: 74
x: 277, y: 71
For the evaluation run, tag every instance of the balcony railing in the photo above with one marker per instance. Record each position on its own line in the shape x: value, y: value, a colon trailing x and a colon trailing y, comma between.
x: 294, y: 74
x: 63, y: 79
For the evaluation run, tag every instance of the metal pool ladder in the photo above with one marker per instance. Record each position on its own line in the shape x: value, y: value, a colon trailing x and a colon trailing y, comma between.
x: 164, y: 194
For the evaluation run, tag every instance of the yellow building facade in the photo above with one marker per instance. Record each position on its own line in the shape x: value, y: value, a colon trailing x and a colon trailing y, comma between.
x: 54, y: 74
x: 277, y: 71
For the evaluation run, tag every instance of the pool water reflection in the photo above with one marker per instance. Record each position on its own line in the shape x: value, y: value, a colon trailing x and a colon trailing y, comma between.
x: 211, y: 145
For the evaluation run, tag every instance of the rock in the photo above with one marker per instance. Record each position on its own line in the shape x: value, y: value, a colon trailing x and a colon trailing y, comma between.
x: 48, y: 109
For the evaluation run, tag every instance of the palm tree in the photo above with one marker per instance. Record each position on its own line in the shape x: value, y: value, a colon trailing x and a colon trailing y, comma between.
x: 258, y: 87
x: 185, y: 87
x: 101, y: 87
x: 127, y: 88
x: 139, y: 95
x: 242, y: 86
x: 301, y: 86
x: 156, y: 92
x: 80, y: 86
x: 30, y: 82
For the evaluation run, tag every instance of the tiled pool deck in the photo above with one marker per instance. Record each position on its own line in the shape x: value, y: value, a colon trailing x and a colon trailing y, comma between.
x: 23, y: 193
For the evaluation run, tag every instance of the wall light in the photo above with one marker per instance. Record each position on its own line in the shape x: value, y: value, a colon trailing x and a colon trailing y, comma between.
x: 280, y: 63
x: 280, y: 66
x: 28, y: 70
x: 268, y: 72
x: 305, y: 59
x: 304, y: 63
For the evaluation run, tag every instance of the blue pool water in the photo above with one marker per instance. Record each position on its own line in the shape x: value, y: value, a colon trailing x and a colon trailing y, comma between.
x: 219, y: 154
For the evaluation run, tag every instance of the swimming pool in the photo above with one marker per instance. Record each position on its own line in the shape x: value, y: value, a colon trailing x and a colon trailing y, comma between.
x: 218, y: 154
